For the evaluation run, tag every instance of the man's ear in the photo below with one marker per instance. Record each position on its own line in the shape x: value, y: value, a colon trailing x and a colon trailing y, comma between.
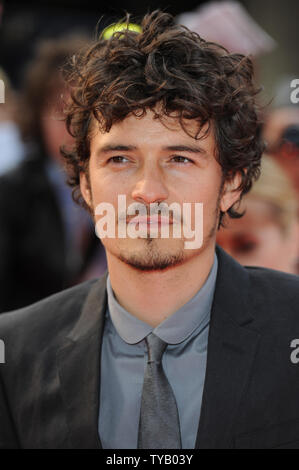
x: 231, y: 194
x: 85, y: 189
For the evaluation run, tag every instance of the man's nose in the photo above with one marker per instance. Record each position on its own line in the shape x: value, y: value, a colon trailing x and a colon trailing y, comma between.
x: 150, y: 187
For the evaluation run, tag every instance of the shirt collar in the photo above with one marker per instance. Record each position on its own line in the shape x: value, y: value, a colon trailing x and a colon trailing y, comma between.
x: 175, y: 329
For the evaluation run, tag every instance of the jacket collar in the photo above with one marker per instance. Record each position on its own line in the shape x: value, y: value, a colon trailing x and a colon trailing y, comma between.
x: 79, y: 370
x: 231, y: 350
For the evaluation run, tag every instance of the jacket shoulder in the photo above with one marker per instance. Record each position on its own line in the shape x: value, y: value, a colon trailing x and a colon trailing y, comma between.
x: 273, y: 282
x: 274, y: 297
x: 46, y: 319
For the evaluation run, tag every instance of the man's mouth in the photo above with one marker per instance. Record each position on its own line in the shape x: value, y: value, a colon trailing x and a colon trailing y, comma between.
x: 157, y: 220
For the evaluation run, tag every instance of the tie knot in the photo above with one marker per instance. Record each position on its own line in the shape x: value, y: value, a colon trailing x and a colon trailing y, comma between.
x: 156, y: 348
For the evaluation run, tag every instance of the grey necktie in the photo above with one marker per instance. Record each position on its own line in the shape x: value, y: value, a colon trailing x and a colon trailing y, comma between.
x: 159, y: 426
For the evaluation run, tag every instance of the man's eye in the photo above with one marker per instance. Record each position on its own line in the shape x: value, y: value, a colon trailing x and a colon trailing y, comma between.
x: 117, y: 159
x: 180, y: 159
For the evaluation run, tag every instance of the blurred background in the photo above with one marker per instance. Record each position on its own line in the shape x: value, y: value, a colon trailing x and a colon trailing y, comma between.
x: 25, y: 22
x: 36, y: 208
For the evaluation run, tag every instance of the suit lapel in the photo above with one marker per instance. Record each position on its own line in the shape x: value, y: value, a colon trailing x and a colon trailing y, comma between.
x: 231, y: 351
x: 78, y: 364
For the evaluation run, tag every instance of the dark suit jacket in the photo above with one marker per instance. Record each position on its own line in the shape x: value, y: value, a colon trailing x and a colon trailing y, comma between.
x: 49, y: 396
x: 33, y: 254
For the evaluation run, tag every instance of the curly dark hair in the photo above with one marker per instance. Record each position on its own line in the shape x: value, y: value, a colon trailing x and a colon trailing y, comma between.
x: 169, y: 65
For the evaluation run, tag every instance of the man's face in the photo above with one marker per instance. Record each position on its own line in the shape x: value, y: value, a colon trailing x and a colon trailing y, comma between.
x: 149, y: 162
x: 54, y: 132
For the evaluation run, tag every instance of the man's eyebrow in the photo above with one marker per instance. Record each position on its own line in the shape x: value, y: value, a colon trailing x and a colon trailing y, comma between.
x: 115, y: 148
x: 186, y: 148
x: 172, y: 148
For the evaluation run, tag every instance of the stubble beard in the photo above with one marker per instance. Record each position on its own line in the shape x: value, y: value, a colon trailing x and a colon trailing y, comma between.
x: 156, y: 254
x: 153, y: 257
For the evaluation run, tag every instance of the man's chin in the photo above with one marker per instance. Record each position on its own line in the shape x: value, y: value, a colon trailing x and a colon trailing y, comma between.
x: 154, y: 263
x: 149, y: 254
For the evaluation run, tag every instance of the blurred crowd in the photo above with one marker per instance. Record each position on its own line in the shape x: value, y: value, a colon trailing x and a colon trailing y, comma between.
x: 47, y: 243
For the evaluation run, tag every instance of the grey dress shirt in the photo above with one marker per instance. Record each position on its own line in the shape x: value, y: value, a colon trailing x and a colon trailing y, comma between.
x: 124, y: 358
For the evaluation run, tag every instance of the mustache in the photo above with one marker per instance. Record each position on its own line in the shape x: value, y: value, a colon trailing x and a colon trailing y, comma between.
x: 150, y: 210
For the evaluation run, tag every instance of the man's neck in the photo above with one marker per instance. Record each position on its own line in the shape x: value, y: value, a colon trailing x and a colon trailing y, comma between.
x: 154, y: 296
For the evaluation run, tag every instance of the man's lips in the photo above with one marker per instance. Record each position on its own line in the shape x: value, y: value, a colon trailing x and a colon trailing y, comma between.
x: 151, y: 220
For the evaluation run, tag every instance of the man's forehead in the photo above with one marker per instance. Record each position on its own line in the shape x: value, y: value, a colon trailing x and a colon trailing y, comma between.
x: 154, y: 126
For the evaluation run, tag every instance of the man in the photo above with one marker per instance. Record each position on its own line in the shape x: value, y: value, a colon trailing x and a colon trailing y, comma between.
x: 46, y: 243
x: 175, y: 347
